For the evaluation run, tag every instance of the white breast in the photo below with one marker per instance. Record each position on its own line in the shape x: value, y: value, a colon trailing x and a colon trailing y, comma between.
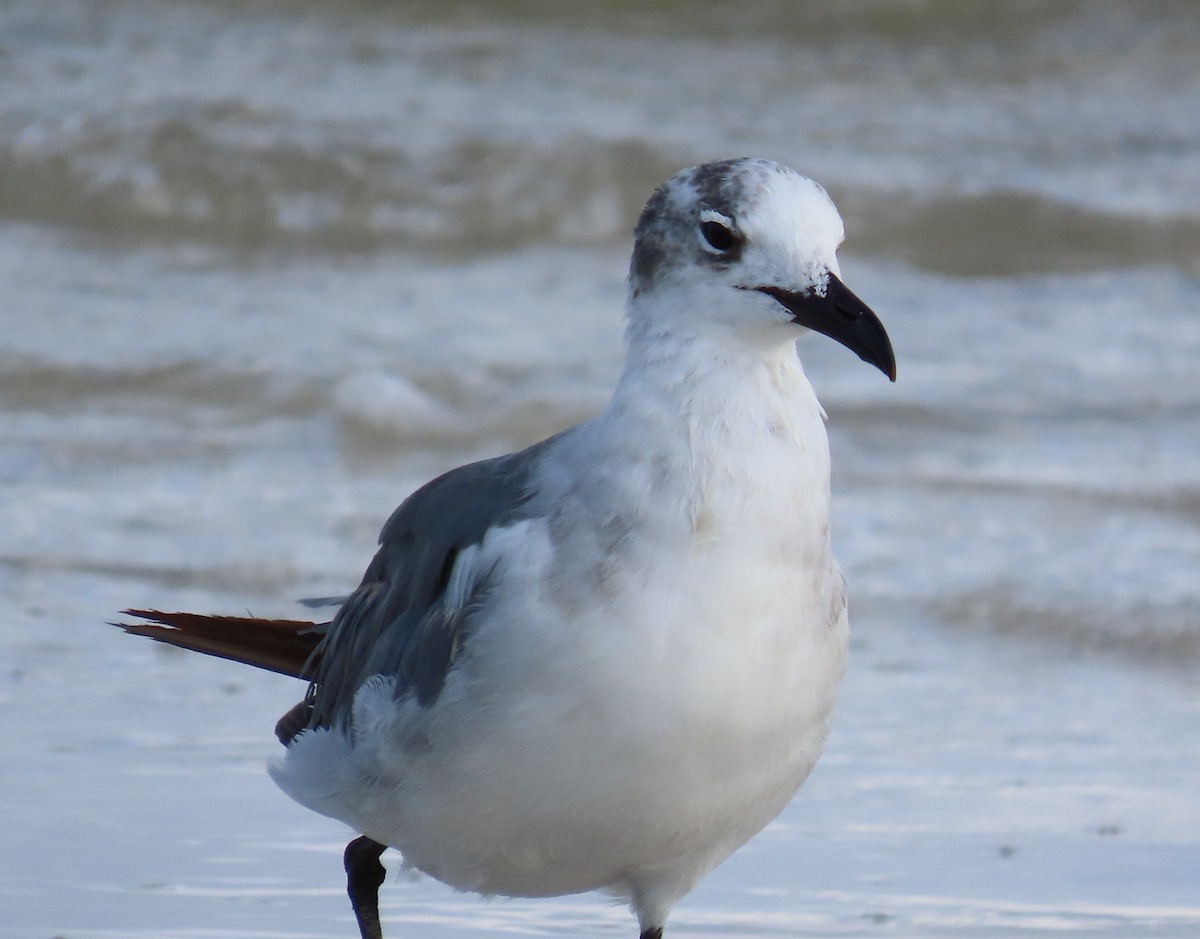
x: 650, y: 684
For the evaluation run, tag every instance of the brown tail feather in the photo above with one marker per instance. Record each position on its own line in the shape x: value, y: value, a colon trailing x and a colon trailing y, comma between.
x: 277, y: 645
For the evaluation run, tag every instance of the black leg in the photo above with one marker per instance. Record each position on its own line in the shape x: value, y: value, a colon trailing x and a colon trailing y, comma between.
x: 364, y: 874
x: 655, y: 933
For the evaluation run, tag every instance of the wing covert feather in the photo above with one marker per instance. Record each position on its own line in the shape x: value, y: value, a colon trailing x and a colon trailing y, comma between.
x: 400, y: 622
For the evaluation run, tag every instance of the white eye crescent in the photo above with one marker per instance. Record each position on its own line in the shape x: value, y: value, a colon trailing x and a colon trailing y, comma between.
x: 718, y: 235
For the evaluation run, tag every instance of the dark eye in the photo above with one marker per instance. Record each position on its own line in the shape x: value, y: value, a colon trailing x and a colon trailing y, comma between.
x: 719, y: 236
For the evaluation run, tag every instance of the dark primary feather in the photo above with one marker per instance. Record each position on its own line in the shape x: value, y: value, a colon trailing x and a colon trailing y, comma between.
x: 277, y: 645
x: 398, y: 623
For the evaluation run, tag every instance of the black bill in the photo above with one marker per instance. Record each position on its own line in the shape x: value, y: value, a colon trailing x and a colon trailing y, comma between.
x: 840, y: 315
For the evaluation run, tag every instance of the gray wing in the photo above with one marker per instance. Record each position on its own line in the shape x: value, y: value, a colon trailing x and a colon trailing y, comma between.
x: 402, y: 621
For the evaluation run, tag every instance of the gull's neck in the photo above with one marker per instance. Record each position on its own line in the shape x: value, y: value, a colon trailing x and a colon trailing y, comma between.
x: 709, y: 425
x: 737, y: 388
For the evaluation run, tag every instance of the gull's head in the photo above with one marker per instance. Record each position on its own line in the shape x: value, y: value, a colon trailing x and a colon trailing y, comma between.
x: 747, y: 250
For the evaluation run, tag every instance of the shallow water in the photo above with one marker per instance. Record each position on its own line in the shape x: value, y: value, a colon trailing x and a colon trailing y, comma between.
x: 268, y: 266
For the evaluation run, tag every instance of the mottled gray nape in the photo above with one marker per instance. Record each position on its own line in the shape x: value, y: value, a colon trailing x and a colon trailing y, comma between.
x: 667, y: 228
x: 397, y: 623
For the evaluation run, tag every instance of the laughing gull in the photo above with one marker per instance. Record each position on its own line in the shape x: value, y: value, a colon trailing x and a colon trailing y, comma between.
x: 607, y: 661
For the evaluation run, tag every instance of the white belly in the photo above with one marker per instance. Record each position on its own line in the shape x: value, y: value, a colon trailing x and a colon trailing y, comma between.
x: 631, y: 709
x: 641, y: 744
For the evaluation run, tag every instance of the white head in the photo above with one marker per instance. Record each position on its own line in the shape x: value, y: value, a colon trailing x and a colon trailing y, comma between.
x: 746, y: 250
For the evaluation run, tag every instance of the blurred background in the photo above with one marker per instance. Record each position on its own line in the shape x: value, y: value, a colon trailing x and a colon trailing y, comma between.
x: 267, y: 266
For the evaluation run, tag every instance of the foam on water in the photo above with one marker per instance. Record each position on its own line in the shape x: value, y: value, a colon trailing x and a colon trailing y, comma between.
x: 306, y: 127
x: 267, y: 267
